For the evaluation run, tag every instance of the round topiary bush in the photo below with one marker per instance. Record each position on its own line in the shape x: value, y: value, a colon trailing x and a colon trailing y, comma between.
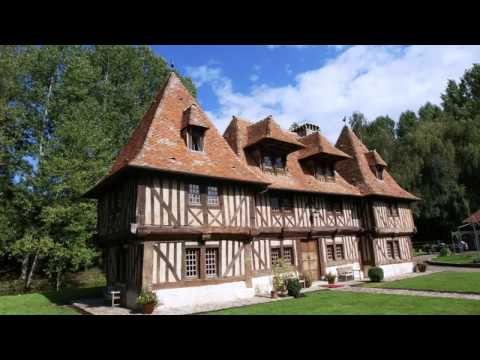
x: 375, y: 274
x: 294, y: 287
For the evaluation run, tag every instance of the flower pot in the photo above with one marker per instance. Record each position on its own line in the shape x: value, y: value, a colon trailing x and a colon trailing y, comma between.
x: 274, y: 294
x: 331, y: 281
x: 148, y: 308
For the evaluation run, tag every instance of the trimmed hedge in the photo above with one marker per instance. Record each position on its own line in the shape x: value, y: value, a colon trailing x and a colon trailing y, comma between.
x: 375, y: 274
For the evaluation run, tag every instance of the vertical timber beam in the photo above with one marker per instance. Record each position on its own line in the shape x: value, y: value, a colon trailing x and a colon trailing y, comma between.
x: 147, y: 269
x: 248, y: 263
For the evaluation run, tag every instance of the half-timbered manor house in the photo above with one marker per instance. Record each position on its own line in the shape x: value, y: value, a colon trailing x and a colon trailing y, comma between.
x: 199, y: 217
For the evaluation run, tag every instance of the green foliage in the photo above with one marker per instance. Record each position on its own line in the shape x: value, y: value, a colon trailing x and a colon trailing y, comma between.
x: 330, y: 277
x: 147, y: 297
x: 65, y: 112
x: 444, y: 251
x: 282, y: 270
x: 375, y: 274
x: 294, y: 287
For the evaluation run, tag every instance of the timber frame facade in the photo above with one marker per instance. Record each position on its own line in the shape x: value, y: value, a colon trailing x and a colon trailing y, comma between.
x: 198, y: 217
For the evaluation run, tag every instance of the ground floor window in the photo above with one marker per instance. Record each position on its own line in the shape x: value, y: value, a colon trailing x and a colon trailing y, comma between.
x: 192, y: 256
x: 335, y: 252
x: 393, y: 249
x: 211, y: 262
x: 285, y: 252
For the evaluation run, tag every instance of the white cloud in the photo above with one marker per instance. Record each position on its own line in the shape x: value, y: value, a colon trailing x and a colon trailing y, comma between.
x: 376, y: 80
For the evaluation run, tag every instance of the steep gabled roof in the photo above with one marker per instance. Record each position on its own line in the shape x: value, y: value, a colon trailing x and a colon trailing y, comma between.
x: 268, y: 129
x: 296, y: 179
x: 317, y: 144
x: 157, y: 142
x: 473, y: 219
x: 357, y: 170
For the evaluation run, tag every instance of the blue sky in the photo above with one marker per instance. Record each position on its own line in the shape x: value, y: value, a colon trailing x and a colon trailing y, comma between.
x: 318, y: 84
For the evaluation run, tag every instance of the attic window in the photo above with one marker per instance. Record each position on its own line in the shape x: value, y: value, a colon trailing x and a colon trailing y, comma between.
x: 195, y: 138
x: 324, y: 171
x: 273, y: 163
x: 378, y: 171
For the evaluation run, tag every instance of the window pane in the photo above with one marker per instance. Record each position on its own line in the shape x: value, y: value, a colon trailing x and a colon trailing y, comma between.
x: 287, y: 204
x: 396, y: 250
x: 390, y: 250
x: 339, y: 252
x: 196, y: 139
x: 279, y: 163
x: 275, y: 203
x: 330, y: 252
x: 267, y: 161
x: 211, y: 262
x: 288, y: 254
x: 212, y: 199
x: 274, y: 255
x: 194, y: 194
x: 191, y: 263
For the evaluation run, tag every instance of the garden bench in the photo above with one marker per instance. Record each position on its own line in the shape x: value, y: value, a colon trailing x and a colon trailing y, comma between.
x: 113, y: 295
x: 345, y: 272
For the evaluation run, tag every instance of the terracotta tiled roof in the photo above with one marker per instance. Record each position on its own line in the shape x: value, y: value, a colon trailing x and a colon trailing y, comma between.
x: 193, y: 116
x: 473, y: 219
x: 268, y: 129
x: 317, y: 144
x: 157, y: 142
x: 357, y: 170
x: 296, y: 178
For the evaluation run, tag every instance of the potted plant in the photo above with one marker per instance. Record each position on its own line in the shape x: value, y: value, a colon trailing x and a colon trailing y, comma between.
x: 148, y: 301
x: 331, y: 278
x: 281, y: 272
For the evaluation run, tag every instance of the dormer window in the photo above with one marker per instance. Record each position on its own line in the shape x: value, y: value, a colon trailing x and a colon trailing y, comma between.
x: 194, y: 128
x: 274, y: 164
x: 324, y: 171
x: 378, y: 171
x: 195, y: 138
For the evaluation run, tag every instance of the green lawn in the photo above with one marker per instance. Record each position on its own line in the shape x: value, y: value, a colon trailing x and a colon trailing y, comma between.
x: 48, y: 303
x: 328, y: 302
x: 441, y: 281
x: 458, y: 258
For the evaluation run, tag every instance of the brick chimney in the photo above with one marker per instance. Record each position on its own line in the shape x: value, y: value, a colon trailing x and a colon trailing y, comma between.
x: 306, y: 129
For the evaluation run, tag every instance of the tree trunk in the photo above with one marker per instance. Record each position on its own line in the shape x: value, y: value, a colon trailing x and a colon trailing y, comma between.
x: 23, y: 274
x: 59, y: 280
x: 32, y: 269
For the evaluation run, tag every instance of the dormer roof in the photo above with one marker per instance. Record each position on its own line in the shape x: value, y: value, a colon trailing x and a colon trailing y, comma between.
x: 193, y: 116
x: 267, y: 131
x: 318, y: 146
x: 357, y: 170
x: 374, y: 158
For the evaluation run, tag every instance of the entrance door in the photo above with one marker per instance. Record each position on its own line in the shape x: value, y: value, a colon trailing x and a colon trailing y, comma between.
x: 309, y: 251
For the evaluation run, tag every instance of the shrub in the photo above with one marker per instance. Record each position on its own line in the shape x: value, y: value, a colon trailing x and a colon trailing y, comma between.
x: 375, y: 274
x: 444, y: 251
x: 307, y: 276
x: 421, y: 267
x: 330, y: 278
x: 294, y: 287
x: 282, y: 271
x: 147, y: 297
x: 476, y: 260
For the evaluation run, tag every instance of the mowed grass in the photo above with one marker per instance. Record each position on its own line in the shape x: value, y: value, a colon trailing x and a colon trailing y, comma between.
x: 328, y: 302
x: 441, y: 281
x: 458, y: 258
x: 47, y: 303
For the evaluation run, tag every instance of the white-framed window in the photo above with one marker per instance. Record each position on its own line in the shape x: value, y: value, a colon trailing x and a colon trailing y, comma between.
x: 192, y: 256
x: 195, y: 138
x: 194, y: 194
x: 330, y: 255
x: 211, y: 262
x: 212, y: 196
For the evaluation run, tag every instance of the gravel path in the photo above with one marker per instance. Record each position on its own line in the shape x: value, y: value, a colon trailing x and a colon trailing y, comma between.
x: 410, y: 292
